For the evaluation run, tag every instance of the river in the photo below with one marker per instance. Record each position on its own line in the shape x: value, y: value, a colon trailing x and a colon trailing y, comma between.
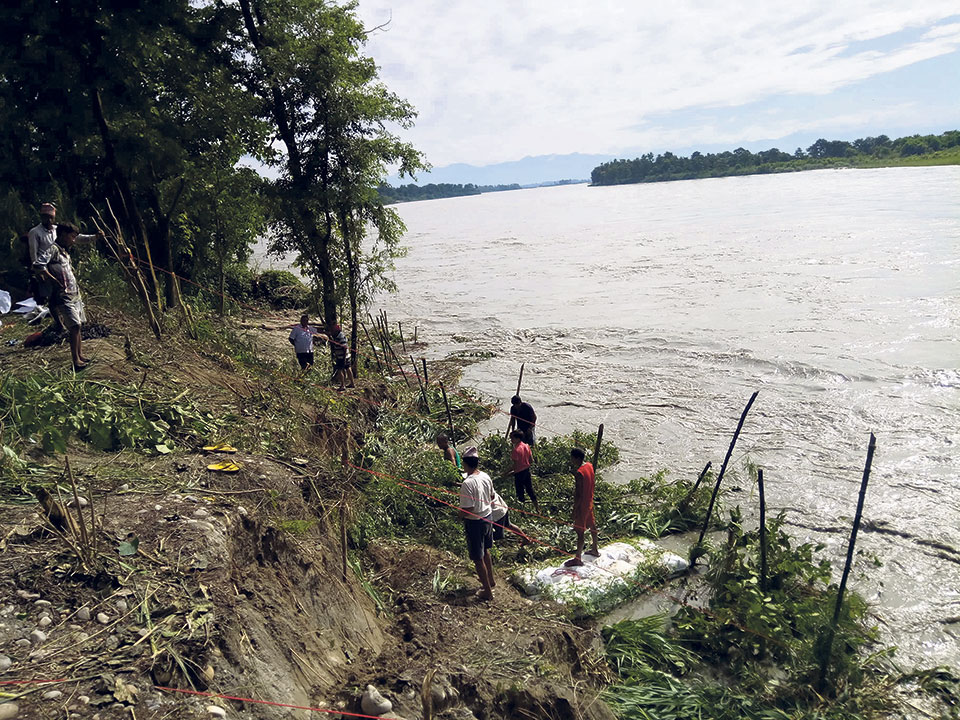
x: 657, y: 309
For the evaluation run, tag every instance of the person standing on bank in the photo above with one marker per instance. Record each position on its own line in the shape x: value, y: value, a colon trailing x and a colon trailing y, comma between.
x: 65, y: 301
x: 301, y: 337
x: 583, y: 518
x: 341, y: 356
x: 524, y: 418
x: 476, y: 507
x: 522, y: 459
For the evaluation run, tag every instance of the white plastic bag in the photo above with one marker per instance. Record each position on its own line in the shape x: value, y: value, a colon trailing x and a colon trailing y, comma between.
x: 5, y: 302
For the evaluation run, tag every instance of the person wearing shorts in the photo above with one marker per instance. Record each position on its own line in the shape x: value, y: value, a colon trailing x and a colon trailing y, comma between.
x: 476, y: 505
x: 524, y: 418
x: 522, y: 458
x: 66, y: 304
x: 301, y: 337
x: 340, y: 355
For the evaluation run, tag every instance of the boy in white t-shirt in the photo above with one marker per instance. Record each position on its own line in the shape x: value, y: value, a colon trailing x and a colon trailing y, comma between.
x: 476, y: 506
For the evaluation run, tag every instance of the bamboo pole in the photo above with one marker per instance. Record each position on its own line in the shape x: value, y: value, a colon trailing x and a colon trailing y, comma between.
x: 763, y: 554
x: 415, y: 329
x: 689, y: 496
x: 723, y: 468
x: 449, y: 415
x: 400, y: 367
x: 344, y: 459
x: 596, y: 448
x: 826, y: 647
x: 403, y: 343
x: 423, y: 389
x: 426, y: 379
x: 373, y: 348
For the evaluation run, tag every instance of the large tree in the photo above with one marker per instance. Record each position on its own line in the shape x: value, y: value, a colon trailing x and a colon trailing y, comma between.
x: 331, y: 116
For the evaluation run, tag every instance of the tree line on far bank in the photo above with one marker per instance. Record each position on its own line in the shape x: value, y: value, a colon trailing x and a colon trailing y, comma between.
x: 869, y: 151
x: 160, y: 109
x: 432, y: 191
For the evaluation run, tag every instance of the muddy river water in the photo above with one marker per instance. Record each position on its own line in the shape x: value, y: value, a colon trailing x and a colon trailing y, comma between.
x: 658, y: 309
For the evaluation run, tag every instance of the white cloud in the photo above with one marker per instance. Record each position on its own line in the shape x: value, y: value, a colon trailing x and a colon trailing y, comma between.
x: 498, y: 80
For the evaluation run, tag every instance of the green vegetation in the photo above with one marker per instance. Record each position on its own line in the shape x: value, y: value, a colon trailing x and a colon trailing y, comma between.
x: 433, y: 191
x: 754, y: 653
x: 878, y: 151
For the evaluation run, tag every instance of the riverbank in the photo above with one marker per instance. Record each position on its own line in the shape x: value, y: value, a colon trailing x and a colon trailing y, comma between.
x: 234, y: 584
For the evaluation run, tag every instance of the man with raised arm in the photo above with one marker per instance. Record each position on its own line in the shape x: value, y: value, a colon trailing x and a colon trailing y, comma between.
x: 523, y: 416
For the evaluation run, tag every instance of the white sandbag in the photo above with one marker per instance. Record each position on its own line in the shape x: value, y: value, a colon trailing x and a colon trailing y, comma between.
x: 623, y: 570
x: 5, y: 302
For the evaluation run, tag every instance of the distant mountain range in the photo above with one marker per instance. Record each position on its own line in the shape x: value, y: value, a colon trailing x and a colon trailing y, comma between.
x: 528, y: 171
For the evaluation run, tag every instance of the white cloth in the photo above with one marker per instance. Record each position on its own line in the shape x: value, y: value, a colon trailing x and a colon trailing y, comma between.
x: 499, y: 507
x: 302, y: 338
x: 476, y: 494
x: 5, y: 302
x: 40, y: 241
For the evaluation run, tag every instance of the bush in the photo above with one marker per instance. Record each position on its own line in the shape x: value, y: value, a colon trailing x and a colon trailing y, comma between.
x: 281, y: 289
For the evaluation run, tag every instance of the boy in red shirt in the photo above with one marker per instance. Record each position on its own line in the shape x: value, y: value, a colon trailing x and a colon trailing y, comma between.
x: 582, y: 504
x: 522, y: 458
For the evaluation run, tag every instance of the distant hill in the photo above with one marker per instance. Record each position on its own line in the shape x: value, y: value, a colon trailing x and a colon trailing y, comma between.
x: 537, y: 170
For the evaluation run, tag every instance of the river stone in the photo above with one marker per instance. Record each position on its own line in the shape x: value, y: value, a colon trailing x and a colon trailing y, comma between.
x: 103, y: 618
x: 84, y: 699
x: 52, y: 695
x: 27, y: 595
x: 45, y: 622
x: 8, y: 711
x: 43, y: 603
x: 37, y: 637
x: 201, y: 513
x: 373, y: 703
x: 22, y: 642
x: 124, y: 487
x: 121, y: 606
x: 83, y: 614
x: 82, y: 499
x: 5, y: 663
x: 216, y: 711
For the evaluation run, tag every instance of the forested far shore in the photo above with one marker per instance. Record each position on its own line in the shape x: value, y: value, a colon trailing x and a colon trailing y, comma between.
x: 433, y: 191
x: 880, y: 151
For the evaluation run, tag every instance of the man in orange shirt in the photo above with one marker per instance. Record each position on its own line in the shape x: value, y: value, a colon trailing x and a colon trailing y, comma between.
x: 582, y: 504
x: 522, y: 459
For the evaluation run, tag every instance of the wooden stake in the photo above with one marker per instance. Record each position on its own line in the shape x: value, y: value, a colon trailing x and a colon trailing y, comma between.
x: 596, y: 448
x: 426, y: 379
x: 763, y: 553
x: 449, y: 415
x: 403, y: 342
x: 826, y: 647
x: 84, y: 538
x: 686, y: 500
x: 723, y: 468
x: 344, y: 459
x: 415, y: 329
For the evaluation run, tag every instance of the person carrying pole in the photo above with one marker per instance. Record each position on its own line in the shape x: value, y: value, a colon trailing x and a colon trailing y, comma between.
x: 524, y: 418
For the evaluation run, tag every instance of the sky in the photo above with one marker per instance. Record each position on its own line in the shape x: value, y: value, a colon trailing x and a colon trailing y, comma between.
x: 496, y: 80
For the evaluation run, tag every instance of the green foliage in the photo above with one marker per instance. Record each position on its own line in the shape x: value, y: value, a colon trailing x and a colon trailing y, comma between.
x: 48, y: 413
x: 634, y: 647
x: 865, y: 152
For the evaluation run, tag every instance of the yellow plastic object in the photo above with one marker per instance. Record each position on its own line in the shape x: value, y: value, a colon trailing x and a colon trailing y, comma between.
x: 226, y: 466
x: 220, y: 447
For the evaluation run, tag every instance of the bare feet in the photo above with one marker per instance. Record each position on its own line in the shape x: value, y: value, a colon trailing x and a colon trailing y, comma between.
x: 484, y: 594
x: 573, y: 562
x: 79, y: 367
x: 593, y: 551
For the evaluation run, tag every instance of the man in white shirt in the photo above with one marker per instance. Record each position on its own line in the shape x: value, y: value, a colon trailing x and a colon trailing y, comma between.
x: 301, y: 337
x: 476, y: 505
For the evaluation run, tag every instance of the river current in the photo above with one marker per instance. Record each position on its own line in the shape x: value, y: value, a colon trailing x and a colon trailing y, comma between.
x: 658, y: 309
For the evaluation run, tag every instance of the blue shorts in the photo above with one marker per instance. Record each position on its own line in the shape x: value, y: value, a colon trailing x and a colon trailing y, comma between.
x: 479, y: 536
